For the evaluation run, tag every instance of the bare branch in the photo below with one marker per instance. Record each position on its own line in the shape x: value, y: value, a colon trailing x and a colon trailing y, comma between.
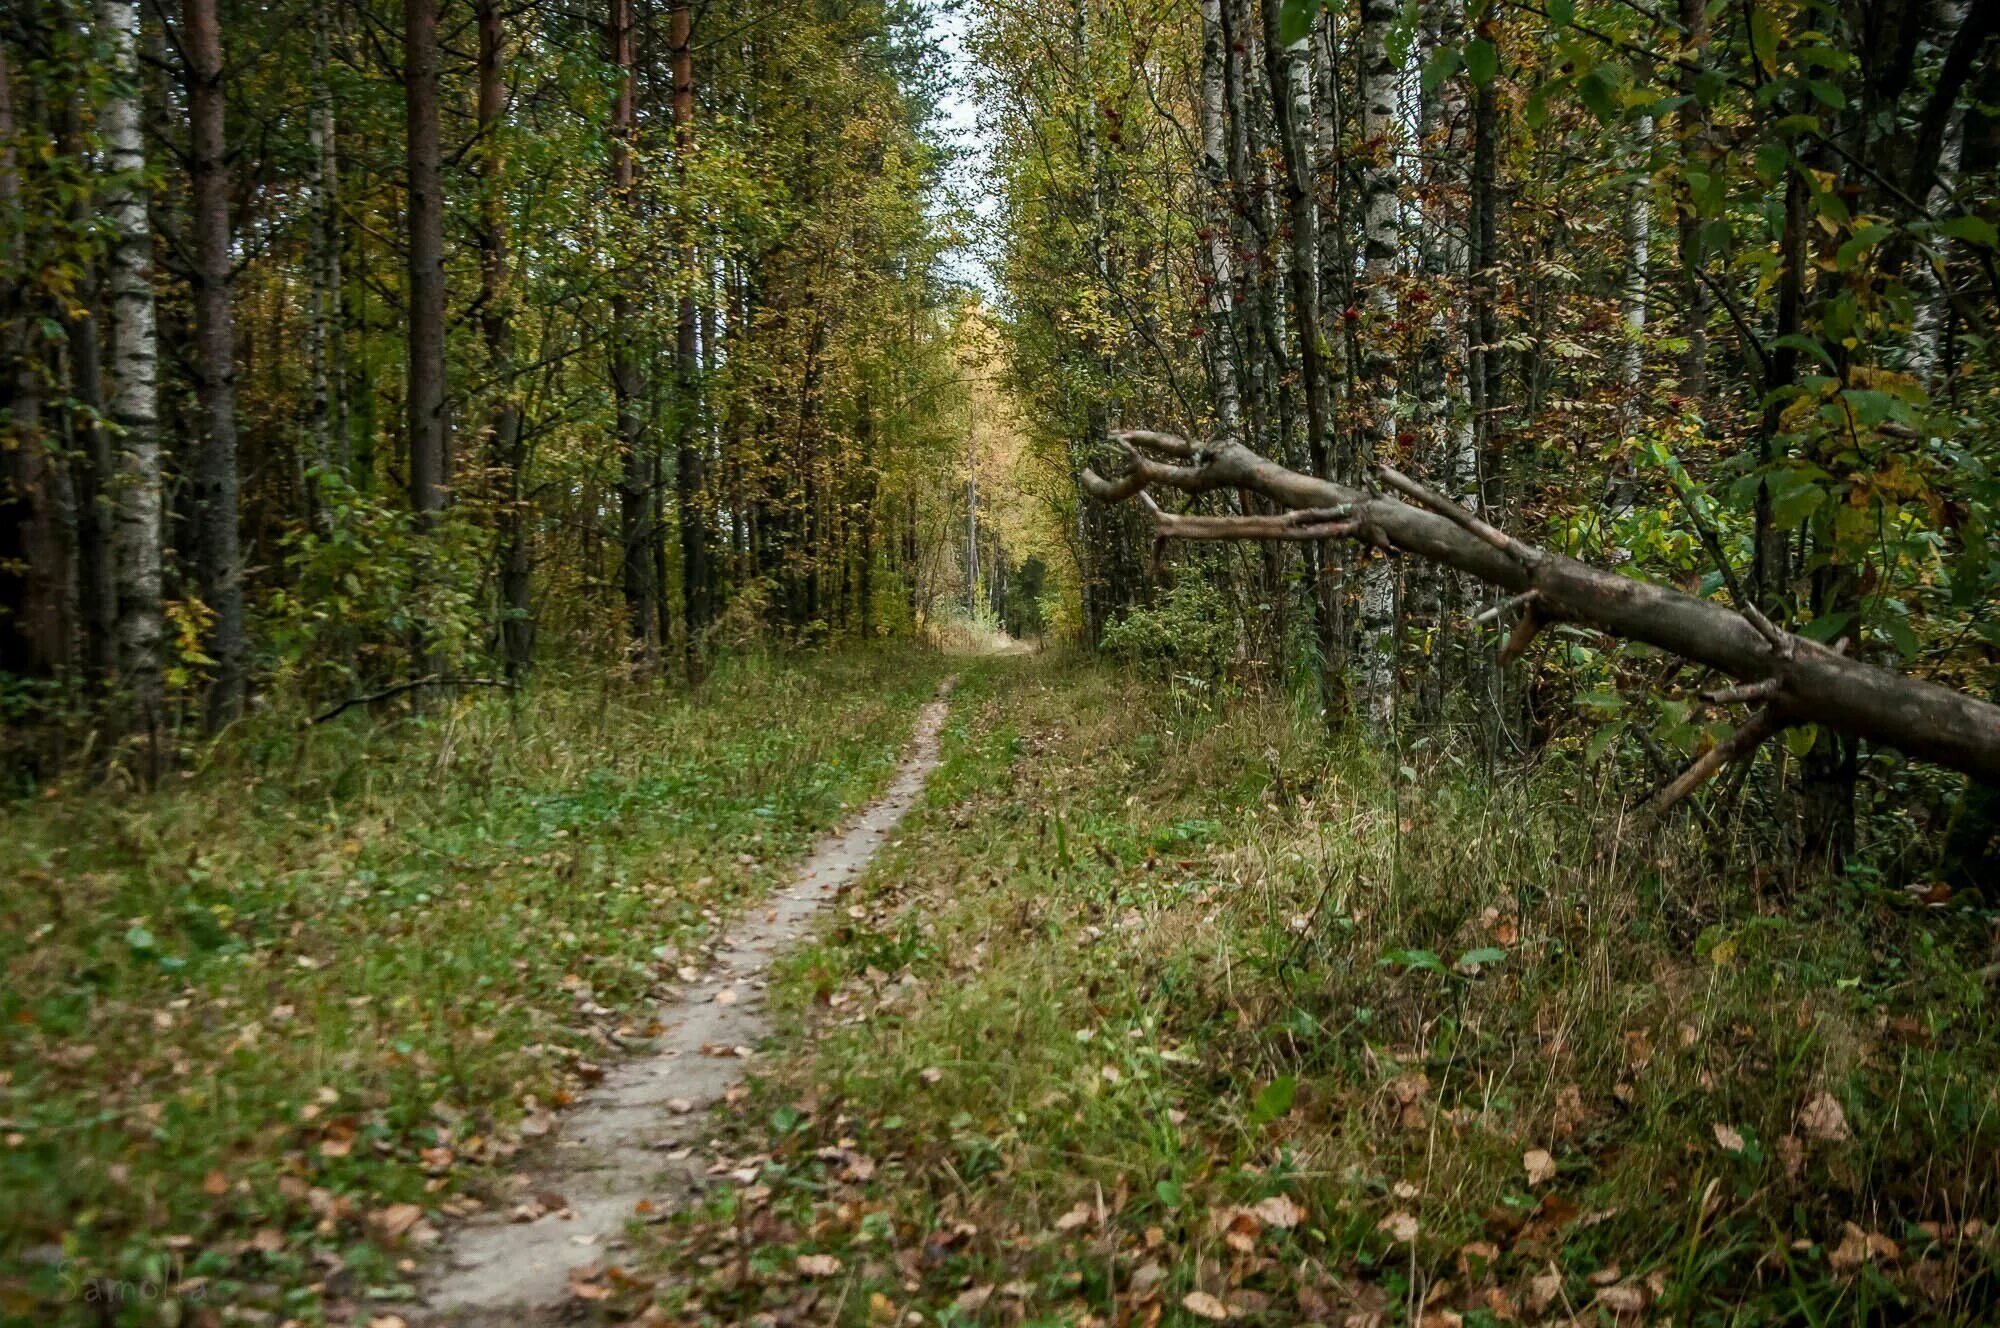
x: 1505, y: 607
x: 1167, y: 444
x: 1749, y: 736
x: 1444, y: 507
x: 1749, y: 691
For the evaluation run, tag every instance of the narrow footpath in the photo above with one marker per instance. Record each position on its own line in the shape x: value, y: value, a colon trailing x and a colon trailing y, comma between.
x: 630, y: 1149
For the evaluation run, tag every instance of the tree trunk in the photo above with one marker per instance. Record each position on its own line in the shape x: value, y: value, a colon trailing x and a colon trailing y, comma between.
x: 134, y: 363
x: 1381, y: 227
x: 690, y: 483
x: 325, y: 338
x: 1694, y: 295
x: 1219, y: 336
x: 505, y: 455
x: 37, y: 624
x: 1638, y: 251
x: 218, y: 554
x: 635, y: 471
x: 429, y: 458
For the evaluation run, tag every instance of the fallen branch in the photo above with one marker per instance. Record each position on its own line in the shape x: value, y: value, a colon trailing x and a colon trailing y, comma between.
x: 409, y: 686
x: 1452, y: 512
x: 1747, y: 738
x: 1818, y: 685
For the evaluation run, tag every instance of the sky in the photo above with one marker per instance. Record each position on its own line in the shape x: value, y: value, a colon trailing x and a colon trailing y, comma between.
x: 968, y: 182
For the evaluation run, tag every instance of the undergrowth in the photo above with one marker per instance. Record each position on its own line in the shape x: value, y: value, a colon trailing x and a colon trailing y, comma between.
x: 261, y: 1028
x: 1162, y: 1012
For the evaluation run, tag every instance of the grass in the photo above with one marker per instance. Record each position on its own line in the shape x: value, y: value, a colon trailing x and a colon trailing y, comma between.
x: 260, y: 1029
x: 1158, y: 1011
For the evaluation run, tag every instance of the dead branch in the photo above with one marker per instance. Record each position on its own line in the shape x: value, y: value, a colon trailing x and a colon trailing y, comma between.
x: 370, y: 698
x: 1504, y: 607
x: 1747, y: 738
x: 1818, y: 685
x: 1523, y: 635
x: 1444, y: 507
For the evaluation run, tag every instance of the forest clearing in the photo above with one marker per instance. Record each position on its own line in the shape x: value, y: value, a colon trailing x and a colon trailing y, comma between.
x: 946, y: 662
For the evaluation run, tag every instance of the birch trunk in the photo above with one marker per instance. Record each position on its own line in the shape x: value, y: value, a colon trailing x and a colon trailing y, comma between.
x: 1381, y: 229
x: 134, y: 398
x: 1222, y: 268
x: 1638, y: 226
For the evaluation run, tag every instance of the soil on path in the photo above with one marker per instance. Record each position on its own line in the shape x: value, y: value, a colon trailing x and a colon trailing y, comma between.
x: 636, y: 1136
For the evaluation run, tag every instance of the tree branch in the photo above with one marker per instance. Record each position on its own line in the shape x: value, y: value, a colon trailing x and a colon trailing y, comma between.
x: 1818, y: 685
x: 401, y: 687
x: 1747, y: 738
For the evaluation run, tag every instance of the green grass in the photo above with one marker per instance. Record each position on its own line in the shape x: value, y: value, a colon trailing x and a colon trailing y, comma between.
x: 351, y: 968
x: 1137, y: 966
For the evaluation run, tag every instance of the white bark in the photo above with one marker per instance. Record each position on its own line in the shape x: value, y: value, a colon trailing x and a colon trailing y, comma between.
x: 1382, y: 235
x: 1222, y: 269
x: 1638, y: 251
x: 133, y: 398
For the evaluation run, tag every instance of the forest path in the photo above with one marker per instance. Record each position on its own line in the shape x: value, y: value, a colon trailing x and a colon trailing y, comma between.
x: 636, y: 1138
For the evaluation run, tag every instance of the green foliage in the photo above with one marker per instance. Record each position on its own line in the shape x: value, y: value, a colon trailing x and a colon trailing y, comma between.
x: 1188, y: 634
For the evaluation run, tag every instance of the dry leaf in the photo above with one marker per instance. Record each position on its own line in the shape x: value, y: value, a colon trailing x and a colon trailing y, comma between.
x: 1540, y: 1165
x: 1728, y: 1139
x: 268, y: 1241
x: 1206, y: 1306
x: 1543, y: 1290
x: 969, y: 1302
x: 1624, y: 1298
x: 1278, y: 1211
x: 1408, y: 1092
x: 1074, y: 1218
x: 215, y: 1183
x: 394, y: 1222
x: 1822, y: 1119
x: 725, y: 996
x: 1475, y: 1257
x: 1852, y: 1251
x: 1400, y: 1226
x: 1569, y: 1110
x: 816, y: 1265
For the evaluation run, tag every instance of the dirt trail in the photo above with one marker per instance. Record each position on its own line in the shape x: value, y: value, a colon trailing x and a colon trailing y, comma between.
x: 615, y: 1148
